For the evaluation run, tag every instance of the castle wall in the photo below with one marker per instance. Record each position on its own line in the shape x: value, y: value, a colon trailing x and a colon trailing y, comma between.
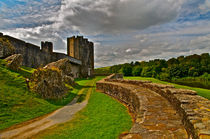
x: 34, y: 57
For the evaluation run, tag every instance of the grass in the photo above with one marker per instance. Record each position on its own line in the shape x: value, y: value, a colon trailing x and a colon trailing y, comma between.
x: 18, y: 104
x: 200, y: 91
x: 198, y: 82
x: 103, y: 117
x: 103, y: 70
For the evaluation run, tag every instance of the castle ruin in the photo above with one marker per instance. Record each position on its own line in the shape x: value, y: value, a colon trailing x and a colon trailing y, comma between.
x: 79, y: 51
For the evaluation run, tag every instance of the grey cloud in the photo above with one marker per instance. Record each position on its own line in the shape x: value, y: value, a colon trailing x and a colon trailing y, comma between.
x: 117, y: 16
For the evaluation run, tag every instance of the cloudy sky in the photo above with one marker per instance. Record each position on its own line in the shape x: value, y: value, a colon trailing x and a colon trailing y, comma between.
x: 122, y: 30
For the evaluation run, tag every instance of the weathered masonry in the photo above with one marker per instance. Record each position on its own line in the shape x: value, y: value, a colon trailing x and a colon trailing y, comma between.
x: 158, y: 110
x: 82, y: 61
x: 81, y: 49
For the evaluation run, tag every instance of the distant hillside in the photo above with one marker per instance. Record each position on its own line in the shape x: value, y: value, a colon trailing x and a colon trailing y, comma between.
x: 193, y: 70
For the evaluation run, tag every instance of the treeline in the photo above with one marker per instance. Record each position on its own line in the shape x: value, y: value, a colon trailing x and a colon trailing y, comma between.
x: 174, y: 68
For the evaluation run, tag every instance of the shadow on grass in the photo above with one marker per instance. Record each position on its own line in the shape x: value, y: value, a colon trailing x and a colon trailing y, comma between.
x: 70, y: 96
x: 81, y: 98
x: 80, y: 79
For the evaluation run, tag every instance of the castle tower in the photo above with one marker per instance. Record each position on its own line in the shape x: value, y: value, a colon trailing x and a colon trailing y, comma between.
x: 81, y: 49
x: 47, y: 47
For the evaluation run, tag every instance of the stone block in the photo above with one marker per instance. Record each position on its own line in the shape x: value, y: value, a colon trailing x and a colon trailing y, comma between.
x: 14, y: 61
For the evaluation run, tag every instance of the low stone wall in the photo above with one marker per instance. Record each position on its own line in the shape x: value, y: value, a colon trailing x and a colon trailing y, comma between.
x: 125, y: 95
x: 194, y: 110
x: 113, y: 76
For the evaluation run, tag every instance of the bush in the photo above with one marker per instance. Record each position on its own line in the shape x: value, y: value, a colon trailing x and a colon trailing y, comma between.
x: 164, y: 76
x: 206, y: 76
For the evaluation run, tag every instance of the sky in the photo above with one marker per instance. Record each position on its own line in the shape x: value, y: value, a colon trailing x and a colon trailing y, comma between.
x: 122, y: 30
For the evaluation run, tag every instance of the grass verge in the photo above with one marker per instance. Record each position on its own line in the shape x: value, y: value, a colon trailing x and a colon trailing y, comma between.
x: 202, y: 92
x: 18, y: 104
x: 103, y: 117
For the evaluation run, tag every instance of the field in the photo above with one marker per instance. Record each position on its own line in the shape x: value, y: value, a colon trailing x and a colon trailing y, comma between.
x: 202, y: 92
x: 103, y: 117
x: 18, y: 104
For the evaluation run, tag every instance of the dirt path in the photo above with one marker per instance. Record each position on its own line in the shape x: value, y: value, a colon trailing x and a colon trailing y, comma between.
x: 61, y: 115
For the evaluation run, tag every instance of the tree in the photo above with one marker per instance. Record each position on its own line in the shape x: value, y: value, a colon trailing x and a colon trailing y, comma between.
x: 137, y: 71
x: 164, y: 76
x: 172, y: 62
x: 115, y: 69
x: 137, y: 63
x: 193, y: 72
x: 175, y: 72
x: 193, y: 66
x: 147, y: 72
x: 127, y: 70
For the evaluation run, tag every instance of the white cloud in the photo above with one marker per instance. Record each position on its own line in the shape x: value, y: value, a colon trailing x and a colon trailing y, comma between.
x: 128, y: 50
x: 205, y: 7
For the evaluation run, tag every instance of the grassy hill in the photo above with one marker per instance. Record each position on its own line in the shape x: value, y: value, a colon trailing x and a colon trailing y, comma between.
x: 18, y: 104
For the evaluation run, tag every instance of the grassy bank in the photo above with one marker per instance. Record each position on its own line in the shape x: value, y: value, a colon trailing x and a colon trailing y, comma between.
x: 18, y: 104
x: 202, y: 92
x: 193, y: 82
x: 103, y: 117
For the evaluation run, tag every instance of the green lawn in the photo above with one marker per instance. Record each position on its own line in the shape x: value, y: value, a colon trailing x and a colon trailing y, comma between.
x: 103, y: 118
x: 18, y: 104
x: 202, y: 92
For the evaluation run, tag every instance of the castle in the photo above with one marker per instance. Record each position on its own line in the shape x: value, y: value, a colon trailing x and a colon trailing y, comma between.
x: 80, y: 52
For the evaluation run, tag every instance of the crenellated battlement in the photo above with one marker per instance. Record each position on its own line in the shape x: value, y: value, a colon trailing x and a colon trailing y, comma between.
x: 47, y: 47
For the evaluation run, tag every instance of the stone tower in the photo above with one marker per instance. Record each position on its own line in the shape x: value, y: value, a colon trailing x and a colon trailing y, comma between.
x: 47, y: 47
x: 81, y: 49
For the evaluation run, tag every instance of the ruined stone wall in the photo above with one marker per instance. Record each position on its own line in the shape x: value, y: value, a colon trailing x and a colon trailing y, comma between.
x: 75, y: 69
x: 125, y: 95
x: 35, y: 57
x: 194, y: 109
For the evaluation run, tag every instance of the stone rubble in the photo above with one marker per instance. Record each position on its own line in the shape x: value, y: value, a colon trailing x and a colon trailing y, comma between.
x: 64, y: 65
x: 14, y: 61
x: 48, y: 83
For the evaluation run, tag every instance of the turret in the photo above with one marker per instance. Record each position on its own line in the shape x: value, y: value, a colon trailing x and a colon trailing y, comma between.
x: 47, y: 47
